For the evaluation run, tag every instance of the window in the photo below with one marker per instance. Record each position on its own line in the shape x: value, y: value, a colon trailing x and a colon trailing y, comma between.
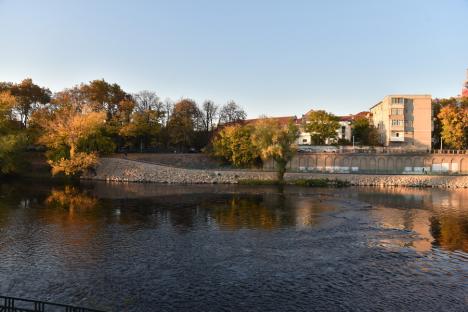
x: 396, y: 122
x: 304, y: 140
x: 397, y: 134
x: 397, y: 101
x: 397, y: 111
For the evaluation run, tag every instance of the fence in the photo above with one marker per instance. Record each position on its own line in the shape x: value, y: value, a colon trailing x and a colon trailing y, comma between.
x: 13, y: 304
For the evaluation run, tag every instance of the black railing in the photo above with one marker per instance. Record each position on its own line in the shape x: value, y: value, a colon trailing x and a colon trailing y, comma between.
x: 12, y: 304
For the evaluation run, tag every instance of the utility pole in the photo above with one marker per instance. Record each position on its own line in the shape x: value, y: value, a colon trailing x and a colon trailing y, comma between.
x: 441, y: 144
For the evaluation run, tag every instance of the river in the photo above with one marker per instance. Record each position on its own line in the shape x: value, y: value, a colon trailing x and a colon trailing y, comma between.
x: 148, y: 247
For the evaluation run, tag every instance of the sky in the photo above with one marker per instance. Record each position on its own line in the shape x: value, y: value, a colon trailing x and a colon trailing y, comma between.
x: 274, y: 58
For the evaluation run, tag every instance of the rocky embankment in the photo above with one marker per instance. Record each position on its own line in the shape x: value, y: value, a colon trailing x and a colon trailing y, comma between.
x: 123, y: 170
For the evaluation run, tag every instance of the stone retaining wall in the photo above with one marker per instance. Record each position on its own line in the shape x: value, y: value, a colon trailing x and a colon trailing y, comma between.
x: 113, y: 169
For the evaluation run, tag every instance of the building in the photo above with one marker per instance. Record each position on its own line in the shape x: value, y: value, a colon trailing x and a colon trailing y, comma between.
x: 404, y: 121
x: 343, y: 132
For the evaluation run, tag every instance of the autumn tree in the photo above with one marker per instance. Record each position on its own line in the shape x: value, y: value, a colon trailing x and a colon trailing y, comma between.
x: 185, y: 119
x: 321, y: 126
x: 103, y: 96
x: 29, y: 97
x: 234, y: 145
x: 231, y: 112
x: 454, y: 122
x: 276, y: 141
x: 63, y: 131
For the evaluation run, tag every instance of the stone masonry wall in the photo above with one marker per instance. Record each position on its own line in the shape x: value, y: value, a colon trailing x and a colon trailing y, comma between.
x: 113, y: 169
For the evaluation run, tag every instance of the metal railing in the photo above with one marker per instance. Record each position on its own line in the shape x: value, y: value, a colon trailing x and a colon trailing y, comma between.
x: 13, y: 304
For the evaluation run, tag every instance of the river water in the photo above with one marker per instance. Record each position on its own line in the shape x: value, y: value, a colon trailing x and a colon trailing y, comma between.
x: 147, y: 247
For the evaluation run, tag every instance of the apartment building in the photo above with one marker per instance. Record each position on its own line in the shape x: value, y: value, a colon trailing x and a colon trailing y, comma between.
x: 404, y: 121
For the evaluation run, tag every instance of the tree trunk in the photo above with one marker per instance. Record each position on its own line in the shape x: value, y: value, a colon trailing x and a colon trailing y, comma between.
x: 281, y: 169
x: 72, y: 151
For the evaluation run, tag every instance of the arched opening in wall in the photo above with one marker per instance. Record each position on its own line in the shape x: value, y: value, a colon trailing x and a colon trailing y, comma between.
x: 391, y: 165
x: 418, y: 162
x: 454, y: 166
x: 355, y: 164
x: 313, y: 162
x: 408, y: 166
x: 328, y: 164
x: 399, y: 164
x: 300, y: 163
x: 371, y: 164
x: 337, y: 162
x: 381, y: 165
x: 344, y: 164
x: 435, y: 165
x: 463, y: 165
x: 363, y: 163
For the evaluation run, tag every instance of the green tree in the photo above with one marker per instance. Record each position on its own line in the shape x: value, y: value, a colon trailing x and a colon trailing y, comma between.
x: 321, y: 126
x: 276, y: 141
x: 234, y: 144
x: 12, y: 137
x: 364, y: 132
x: 143, y: 129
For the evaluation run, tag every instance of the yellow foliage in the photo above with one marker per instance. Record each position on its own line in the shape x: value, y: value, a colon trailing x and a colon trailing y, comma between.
x: 77, y: 164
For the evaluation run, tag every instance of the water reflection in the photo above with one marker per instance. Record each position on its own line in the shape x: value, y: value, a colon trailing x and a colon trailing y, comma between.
x: 439, y: 217
x: 71, y: 199
x: 229, y: 247
x: 436, y: 217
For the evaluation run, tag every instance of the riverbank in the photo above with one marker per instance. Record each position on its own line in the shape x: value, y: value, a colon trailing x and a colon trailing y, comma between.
x: 123, y: 170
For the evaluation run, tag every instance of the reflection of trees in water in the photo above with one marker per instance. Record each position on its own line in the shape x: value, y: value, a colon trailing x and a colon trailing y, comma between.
x: 450, y: 232
x: 252, y: 212
x: 70, y: 198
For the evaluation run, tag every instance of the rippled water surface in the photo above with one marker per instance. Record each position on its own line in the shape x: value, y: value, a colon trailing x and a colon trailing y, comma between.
x: 144, y: 247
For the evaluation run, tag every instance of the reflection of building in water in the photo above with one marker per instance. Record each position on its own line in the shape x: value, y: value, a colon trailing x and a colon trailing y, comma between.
x: 406, y: 219
x: 438, y: 217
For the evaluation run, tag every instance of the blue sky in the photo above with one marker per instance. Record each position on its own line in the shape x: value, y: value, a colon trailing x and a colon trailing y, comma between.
x: 271, y: 57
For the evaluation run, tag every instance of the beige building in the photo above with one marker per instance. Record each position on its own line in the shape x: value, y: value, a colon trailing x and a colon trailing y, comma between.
x: 404, y: 121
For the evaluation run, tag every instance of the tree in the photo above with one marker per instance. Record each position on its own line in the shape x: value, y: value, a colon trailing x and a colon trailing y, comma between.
x: 12, y: 146
x: 147, y: 100
x: 276, y: 141
x: 454, y: 122
x: 321, y: 126
x: 144, y: 127
x: 103, y: 96
x: 230, y: 113
x: 12, y: 138
x: 364, y: 133
x: 209, y: 113
x: 29, y: 97
x: 63, y: 131
x: 183, y: 123
x: 234, y: 144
